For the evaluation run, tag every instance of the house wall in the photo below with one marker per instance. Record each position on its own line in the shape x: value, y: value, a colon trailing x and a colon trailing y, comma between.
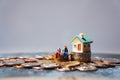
x: 82, y: 48
x: 75, y: 49
x: 86, y: 47
x: 76, y: 40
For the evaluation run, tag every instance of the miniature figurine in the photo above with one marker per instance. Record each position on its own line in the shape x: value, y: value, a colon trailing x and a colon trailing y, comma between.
x: 65, y: 52
x: 58, y: 52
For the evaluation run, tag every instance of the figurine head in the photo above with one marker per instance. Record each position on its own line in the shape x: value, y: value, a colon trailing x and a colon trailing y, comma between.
x: 65, y: 46
x: 59, y: 49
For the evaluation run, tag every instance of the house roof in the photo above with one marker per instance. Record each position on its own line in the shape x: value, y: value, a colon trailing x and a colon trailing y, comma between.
x: 83, y: 38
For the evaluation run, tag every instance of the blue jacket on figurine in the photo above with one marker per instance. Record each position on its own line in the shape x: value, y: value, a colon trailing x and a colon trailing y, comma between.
x: 65, y: 52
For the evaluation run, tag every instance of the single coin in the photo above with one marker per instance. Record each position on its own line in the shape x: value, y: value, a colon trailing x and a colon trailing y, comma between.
x: 12, y: 62
x: 96, y: 58
x: 23, y: 57
x: 38, y: 68
x: 27, y: 65
x: 101, y: 64
x: 86, y: 68
x: 115, y: 64
x: 48, y: 57
x: 49, y: 65
x: 63, y: 69
x: 18, y: 66
x: 27, y: 60
x: 39, y: 57
x: 1, y: 63
x: 111, y: 60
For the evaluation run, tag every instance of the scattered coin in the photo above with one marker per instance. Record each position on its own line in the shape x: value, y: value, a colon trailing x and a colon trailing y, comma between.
x: 115, y: 64
x: 38, y: 68
x: 13, y: 62
x: 1, y: 63
x: 44, y: 61
x: 3, y: 58
x: 23, y: 57
x: 18, y: 66
x: 28, y: 65
x: 49, y: 65
x: 72, y: 68
x: 72, y: 64
x: 48, y: 57
x: 39, y: 57
x: 111, y: 60
x: 63, y: 69
x: 27, y: 60
x: 101, y: 64
x: 86, y: 68
x: 69, y: 64
x: 12, y: 57
x: 96, y: 58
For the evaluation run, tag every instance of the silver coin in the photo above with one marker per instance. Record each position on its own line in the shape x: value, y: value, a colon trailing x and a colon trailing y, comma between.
x: 39, y: 57
x: 14, y: 62
x: 38, y: 68
x: 86, y: 68
x: 23, y: 57
x: 96, y: 58
x: 63, y: 69
x: 27, y: 60
x: 12, y: 57
x: 27, y: 65
x: 115, y: 64
x: 111, y: 60
x: 49, y: 65
x: 101, y: 64
x: 1, y: 63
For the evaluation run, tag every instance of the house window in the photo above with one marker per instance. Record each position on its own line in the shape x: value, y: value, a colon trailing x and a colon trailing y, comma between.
x: 74, y: 46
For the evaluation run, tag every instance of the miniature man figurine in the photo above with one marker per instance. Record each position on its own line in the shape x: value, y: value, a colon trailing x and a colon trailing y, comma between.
x: 65, y: 52
x: 58, y: 52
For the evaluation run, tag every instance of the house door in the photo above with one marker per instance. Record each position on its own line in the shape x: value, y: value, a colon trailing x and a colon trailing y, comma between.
x: 79, y: 47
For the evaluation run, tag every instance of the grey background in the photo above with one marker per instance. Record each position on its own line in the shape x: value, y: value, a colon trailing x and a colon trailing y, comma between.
x: 45, y: 25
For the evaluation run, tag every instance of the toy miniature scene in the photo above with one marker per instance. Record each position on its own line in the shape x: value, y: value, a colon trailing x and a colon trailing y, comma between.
x: 59, y: 39
x: 80, y: 58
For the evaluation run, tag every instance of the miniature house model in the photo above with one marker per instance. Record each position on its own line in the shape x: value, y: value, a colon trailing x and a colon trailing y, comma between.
x: 81, y: 43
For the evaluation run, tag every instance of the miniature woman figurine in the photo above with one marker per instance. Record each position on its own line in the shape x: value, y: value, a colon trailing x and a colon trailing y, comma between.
x: 58, y: 52
x: 65, y: 52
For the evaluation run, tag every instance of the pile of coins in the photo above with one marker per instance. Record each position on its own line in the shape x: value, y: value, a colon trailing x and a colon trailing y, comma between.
x: 47, y: 62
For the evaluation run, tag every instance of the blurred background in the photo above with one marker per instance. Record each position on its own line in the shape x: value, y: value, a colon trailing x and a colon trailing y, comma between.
x: 45, y: 25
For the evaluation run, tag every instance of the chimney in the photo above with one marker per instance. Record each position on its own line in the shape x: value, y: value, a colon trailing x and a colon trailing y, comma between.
x: 82, y: 35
